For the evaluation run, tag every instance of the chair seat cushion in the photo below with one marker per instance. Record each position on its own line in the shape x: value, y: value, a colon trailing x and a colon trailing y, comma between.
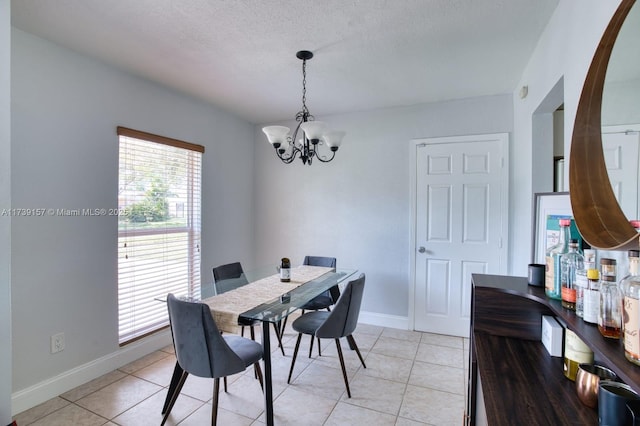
x: 309, y: 322
x: 319, y: 302
x: 248, y: 350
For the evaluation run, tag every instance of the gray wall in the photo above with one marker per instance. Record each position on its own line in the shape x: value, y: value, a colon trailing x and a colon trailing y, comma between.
x: 357, y: 208
x: 5, y: 222
x: 65, y: 110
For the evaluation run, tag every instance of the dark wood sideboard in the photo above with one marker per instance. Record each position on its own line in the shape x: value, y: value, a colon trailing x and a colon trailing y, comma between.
x: 512, y: 378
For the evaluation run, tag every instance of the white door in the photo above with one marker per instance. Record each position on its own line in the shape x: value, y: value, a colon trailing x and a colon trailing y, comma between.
x: 461, y: 206
x: 621, y: 157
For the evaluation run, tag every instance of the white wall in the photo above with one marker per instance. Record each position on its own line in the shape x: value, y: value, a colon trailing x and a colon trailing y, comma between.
x: 620, y: 103
x: 5, y: 221
x: 64, y: 154
x: 357, y: 208
x: 564, y: 51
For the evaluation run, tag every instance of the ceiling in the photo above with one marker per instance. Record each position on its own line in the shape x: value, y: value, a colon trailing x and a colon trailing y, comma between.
x: 240, y: 54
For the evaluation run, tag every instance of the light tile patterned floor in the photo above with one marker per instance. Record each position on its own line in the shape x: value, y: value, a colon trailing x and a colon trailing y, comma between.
x: 411, y: 378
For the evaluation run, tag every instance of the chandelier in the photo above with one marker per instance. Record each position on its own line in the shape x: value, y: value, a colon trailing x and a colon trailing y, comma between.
x: 314, y: 133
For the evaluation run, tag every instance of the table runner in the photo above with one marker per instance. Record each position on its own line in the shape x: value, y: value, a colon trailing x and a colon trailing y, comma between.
x: 227, y: 307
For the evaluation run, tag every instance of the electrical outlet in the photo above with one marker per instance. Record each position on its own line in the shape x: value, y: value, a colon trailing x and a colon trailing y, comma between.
x: 57, y: 343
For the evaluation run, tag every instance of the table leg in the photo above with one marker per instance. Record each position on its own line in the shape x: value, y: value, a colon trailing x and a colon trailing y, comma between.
x: 268, y: 390
x: 177, y: 372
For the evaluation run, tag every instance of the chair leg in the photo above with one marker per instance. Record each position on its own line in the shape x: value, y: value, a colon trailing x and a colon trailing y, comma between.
x: 214, y: 402
x: 258, y: 371
x: 311, y: 345
x: 344, y: 370
x: 225, y: 384
x: 319, y: 348
x: 293, y: 361
x: 172, y: 401
x: 352, y: 344
x: 241, y: 331
x: 175, y: 379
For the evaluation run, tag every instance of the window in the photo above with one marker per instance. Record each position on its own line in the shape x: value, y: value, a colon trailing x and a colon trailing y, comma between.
x: 158, y: 228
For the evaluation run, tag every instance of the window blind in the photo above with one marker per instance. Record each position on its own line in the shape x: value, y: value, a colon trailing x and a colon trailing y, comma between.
x: 159, y: 201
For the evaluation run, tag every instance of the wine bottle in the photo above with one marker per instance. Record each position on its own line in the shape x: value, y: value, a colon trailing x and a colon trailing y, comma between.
x: 285, y: 270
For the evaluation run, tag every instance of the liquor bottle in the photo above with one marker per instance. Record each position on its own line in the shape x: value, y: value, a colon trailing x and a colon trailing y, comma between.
x: 631, y: 311
x: 553, y: 288
x: 570, y: 263
x: 592, y: 297
x: 576, y: 352
x: 608, y: 268
x: 285, y: 270
x: 582, y: 282
x: 631, y: 254
x: 609, y: 318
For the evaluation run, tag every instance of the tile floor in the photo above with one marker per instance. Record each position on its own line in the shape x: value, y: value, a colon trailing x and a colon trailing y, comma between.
x: 411, y: 378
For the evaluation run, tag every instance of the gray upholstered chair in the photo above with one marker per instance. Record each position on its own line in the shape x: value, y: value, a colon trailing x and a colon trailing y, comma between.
x: 228, y: 277
x: 202, y: 351
x: 231, y: 276
x: 340, y: 322
x: 329, y: 297
x: 324, y: 300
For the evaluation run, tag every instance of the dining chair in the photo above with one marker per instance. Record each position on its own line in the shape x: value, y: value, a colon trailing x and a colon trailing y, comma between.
x: 324, y: 300
x: 230, y: 276
x: 329, y: 297
x: 202, y: 351
x: 335, y: 324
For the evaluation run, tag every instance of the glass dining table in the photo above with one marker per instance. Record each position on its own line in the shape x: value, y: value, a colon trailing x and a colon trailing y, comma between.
x: 258, y: 295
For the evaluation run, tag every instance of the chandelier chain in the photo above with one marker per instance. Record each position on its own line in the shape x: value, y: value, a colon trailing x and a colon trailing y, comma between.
x: 304, y: 87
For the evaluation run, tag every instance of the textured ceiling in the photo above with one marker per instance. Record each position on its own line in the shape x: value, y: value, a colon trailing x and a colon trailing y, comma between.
x: 240, y: 54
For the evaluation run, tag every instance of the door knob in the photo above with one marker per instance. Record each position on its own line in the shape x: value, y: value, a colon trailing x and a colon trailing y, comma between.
x: 422, y: 250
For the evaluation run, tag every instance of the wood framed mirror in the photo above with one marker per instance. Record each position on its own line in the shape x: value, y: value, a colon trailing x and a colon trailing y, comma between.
x: 601, y: 221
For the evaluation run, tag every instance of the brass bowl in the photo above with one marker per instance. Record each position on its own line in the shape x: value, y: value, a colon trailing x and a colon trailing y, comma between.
x: 588, y: 380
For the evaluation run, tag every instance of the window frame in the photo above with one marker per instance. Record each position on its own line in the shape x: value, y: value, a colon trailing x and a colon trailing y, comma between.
x: 159, y: 319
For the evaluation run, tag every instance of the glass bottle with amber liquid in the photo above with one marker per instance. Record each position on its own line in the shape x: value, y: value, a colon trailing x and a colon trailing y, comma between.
x: 570, y: 263
x: 552, y: 284
x: 631, y: 310
x: 609, y: 319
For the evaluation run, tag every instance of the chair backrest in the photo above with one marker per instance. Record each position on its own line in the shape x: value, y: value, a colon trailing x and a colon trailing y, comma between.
x: 200, y: 348
x: 229, y: 276
x: 343, y: 318
x: 329, y: 262
x: 320, y: 261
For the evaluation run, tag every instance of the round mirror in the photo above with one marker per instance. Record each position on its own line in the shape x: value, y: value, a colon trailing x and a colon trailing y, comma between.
x: 596, y: 210
x: 621, y: 115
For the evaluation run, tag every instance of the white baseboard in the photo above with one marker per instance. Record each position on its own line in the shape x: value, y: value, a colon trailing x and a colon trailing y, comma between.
x: 54, y: 386
x: 384, y: 320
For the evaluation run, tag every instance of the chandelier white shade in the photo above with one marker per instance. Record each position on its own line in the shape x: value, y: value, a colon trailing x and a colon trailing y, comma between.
x: 315, y: 133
